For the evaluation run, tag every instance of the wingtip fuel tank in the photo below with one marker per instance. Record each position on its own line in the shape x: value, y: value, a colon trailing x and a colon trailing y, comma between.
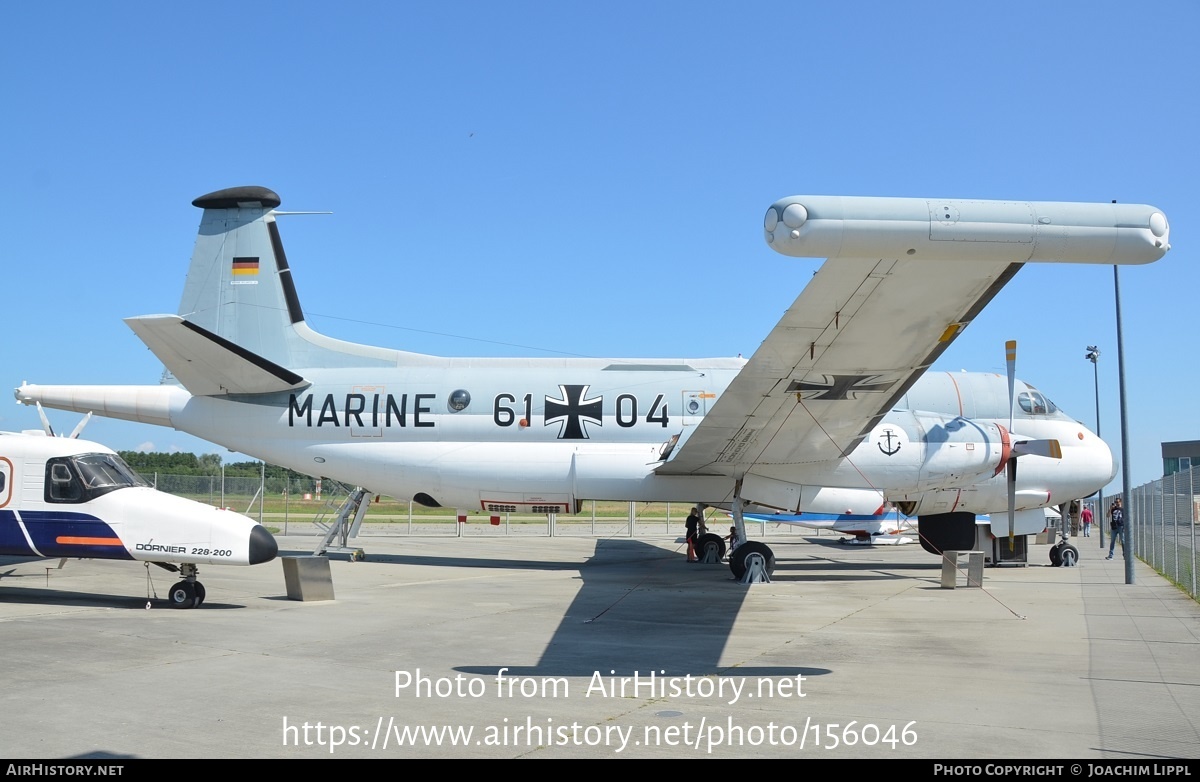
x: 956, y: 229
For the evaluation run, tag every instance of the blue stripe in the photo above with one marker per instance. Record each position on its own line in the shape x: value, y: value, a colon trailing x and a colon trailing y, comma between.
x: 46, y: 526
x: 12, y: 542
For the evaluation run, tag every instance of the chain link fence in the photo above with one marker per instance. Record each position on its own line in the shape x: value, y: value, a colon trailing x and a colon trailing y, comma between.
x: 1163, y: 516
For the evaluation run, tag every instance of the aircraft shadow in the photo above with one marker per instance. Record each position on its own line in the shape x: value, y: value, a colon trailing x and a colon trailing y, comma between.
x: 874, y: 564
x: 30, y: 595
x: 59, y: 597
x: 819, y: 570
x: 456, y: 562
x: 643, y: 609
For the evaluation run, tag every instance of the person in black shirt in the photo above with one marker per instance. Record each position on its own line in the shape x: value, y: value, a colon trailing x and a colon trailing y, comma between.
x: 1116, y: 523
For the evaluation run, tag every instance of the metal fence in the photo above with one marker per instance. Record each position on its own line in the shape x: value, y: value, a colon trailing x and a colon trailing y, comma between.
x: 1163, y: 516
x: 304, y: 505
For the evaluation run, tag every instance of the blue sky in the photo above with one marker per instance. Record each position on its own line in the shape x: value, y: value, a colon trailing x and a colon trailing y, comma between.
x: 546, y: 178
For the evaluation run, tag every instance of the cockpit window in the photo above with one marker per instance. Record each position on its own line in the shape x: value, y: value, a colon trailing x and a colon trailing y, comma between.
x: 106, y: 471
x: 83, y: 478
x: 1034, y: 403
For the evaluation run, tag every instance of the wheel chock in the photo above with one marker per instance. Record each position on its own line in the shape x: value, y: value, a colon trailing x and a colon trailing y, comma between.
x: 756, y: 571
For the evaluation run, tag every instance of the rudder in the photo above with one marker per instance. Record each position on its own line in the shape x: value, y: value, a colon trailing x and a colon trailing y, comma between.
x: 238, y: 284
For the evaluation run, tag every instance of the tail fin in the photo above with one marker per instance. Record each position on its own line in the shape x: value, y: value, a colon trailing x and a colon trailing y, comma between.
x: 239, y: 287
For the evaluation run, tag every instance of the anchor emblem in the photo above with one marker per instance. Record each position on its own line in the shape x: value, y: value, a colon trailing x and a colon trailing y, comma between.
x: 888, y: 435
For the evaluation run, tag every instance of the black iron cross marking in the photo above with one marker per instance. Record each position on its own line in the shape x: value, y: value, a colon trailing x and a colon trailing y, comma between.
x: 568, y: 411
x: 839, y: 387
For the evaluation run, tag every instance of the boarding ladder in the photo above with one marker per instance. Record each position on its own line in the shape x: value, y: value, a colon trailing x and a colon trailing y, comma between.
x: 344, y: 525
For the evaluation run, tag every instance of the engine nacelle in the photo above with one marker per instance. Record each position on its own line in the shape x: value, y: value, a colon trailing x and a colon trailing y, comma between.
x: 918, y: 452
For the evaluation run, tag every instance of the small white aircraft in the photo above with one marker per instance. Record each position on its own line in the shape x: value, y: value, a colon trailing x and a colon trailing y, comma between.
x: 62, y: 497
x: 884, y: 528
x: 834, y: 413
x: 887, y: 527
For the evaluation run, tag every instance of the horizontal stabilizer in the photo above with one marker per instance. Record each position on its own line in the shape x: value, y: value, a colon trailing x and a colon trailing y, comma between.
x: 209, y: 365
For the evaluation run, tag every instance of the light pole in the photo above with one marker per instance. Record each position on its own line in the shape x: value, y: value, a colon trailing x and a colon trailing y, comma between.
x: 1098, y: 518
x: 1127, y: 527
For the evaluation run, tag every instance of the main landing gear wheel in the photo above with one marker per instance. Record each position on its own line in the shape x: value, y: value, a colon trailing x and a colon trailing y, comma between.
x: 710, y: 548
x: 747, y: 554
x: 200, y: 593
x: 183, y: 595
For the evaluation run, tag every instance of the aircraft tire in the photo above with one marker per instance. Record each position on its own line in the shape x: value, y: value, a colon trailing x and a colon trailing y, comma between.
x: 737, y: 560
x: 182, y: 595
x: 200, y: 593
x: 710, y: 541
x: 1056, y: 555
x: 1069, y: 556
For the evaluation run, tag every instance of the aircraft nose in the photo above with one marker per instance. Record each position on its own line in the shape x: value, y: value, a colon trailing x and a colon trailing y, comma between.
x: 1108, y: 458
x: 263, y: 547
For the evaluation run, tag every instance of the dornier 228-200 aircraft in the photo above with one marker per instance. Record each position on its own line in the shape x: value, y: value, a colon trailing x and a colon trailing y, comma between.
x: 72, y: 499
x: 834, y: 413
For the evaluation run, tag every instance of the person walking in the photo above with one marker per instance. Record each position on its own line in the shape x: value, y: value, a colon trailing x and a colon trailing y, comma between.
x: 1085, y: 516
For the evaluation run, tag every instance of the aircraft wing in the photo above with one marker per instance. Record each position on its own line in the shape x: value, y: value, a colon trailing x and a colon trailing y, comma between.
x: 904, y: 277
x: 858, y: 336
x: 207, y: 364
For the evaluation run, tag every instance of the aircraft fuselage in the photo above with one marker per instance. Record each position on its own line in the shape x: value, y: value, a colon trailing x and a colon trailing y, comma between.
x: 596, y: 430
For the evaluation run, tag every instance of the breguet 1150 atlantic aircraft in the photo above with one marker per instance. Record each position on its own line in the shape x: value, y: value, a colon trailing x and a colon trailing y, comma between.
x: 834, y: 413
x: 68, y: 498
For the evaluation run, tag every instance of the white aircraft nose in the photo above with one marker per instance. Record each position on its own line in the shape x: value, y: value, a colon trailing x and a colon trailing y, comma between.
x: 1109, y: 458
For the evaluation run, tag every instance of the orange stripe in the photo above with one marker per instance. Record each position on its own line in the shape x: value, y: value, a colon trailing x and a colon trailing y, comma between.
x: 70, y: 541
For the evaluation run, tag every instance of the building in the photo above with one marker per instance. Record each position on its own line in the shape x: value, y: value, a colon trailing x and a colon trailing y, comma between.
x: 1180, y: 456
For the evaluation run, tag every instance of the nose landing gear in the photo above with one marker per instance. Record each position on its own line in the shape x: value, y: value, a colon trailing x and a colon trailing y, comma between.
x: 188, y: 593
